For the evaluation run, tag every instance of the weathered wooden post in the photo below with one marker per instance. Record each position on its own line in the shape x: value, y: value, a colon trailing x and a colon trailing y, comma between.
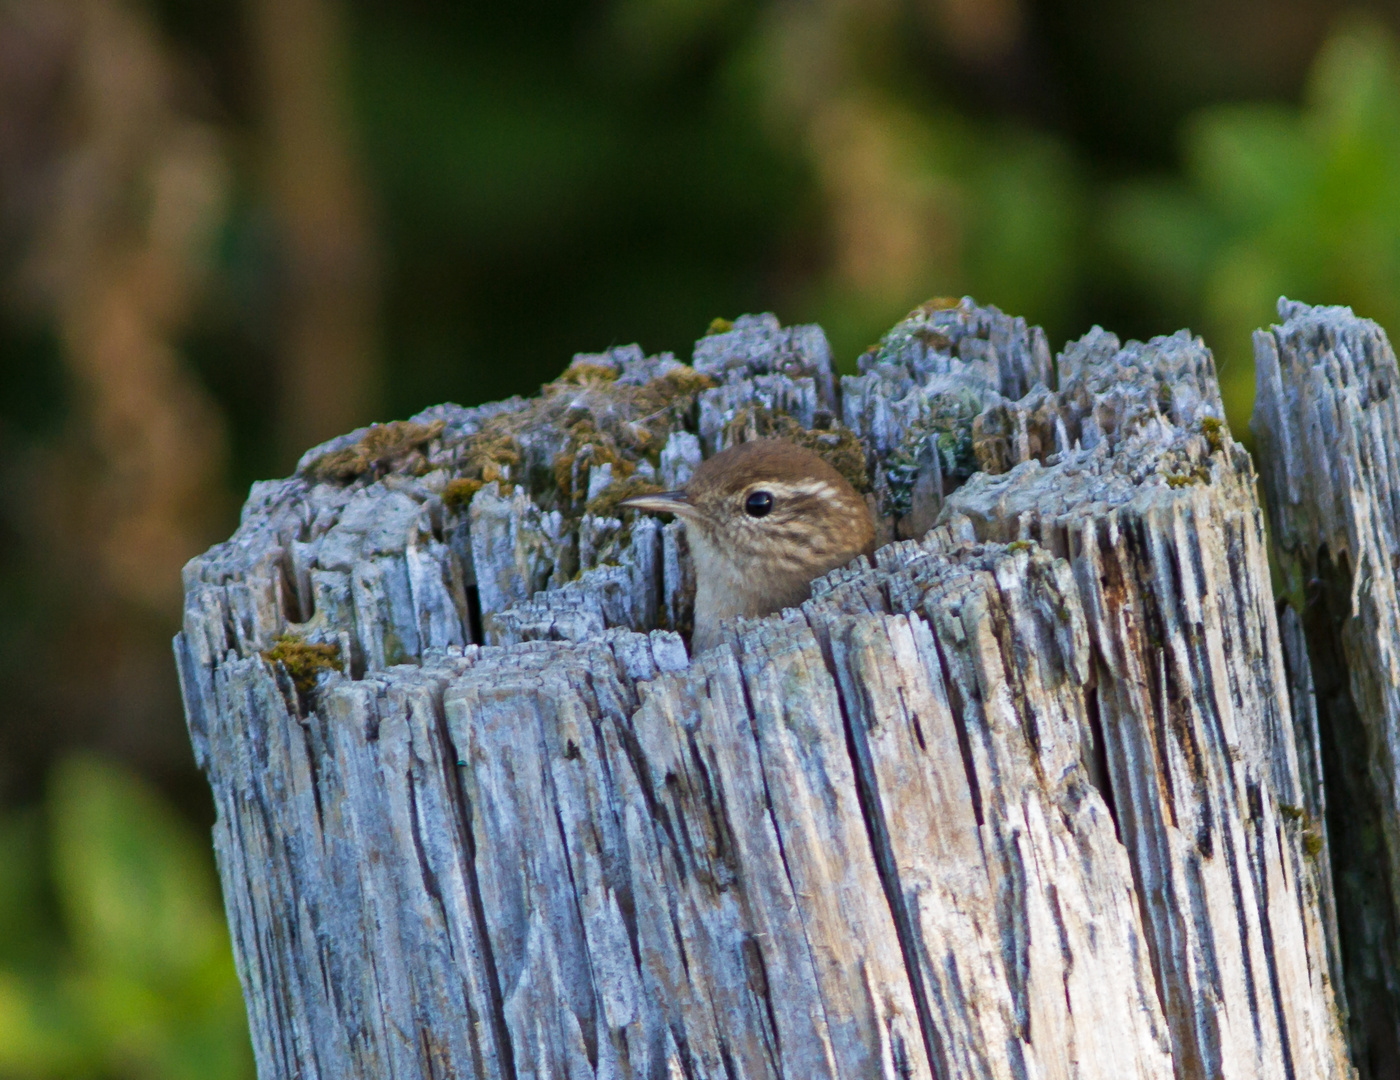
x: 1327, y: 419
x: 1037, y: 794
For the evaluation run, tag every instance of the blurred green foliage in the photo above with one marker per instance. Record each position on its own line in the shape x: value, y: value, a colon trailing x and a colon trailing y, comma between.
x: 519, y: 185
x: 1277, y: 201
x: 114, y: 954
x: 633, y: 178
x: 635, y: 193
x: 627, y: 171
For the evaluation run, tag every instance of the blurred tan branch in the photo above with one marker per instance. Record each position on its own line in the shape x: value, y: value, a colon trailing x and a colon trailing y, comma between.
x: 977, y: 31
x: 119, y: 258
x: 328, y: 337
x: 896, y: 223
x: 917, y: 200
x: 893, y: 205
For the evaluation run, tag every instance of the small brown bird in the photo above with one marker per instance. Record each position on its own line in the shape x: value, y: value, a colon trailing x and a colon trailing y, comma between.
x: 763, y: 519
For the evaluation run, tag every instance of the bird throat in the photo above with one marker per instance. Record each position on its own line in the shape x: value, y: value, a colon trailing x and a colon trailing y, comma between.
x: 733, y: 589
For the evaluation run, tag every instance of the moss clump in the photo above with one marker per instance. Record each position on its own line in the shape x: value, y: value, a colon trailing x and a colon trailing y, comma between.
x: 582, y: 373
x: 384, y: 448
x: 489, y: 454
x: 457, y: 495
x: 1200, y: 474
x: 838, y: 446
x: 680, y: 382
x: 615, y: 423
x: 934, y: 303
x: 719, y: 325
x: 586, y: 418
x: 492, y: 453
x: 597, y: 448
x: 1311, y: 829
x: 843, y: 452
x: 303, y: 660
x: 604, y: 504
x: 1019, y: 545
x: 1213, y: 429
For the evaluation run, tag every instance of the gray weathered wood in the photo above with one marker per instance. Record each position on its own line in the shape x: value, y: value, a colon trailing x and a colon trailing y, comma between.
x: 1327, y: 418
x: 1158, y: 518
x: 1024, y: 798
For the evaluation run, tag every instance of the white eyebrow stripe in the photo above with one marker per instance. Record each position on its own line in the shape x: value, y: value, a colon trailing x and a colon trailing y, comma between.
x: 818, y: 489
x: 781, y: 489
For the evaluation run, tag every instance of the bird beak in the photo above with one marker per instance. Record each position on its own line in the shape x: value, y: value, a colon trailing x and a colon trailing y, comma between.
x: 663, y: 502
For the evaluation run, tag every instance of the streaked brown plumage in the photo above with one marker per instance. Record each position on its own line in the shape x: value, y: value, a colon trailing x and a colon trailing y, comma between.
x: 763, y: 519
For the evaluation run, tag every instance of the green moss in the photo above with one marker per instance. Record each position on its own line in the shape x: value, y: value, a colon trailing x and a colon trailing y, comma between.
x: 491, y: 454
x: 1199, y: 474
x: 601, y: 448
x: 457, y: 495
x: 935, y: 303
x: 303, y: 660
x: 682, y: 381
x: 392, y: 447
x: 590, y: 418
x: 719, y: 325
x: 1311, y: 828
x: 1213, y: 429
x: 582, y: 373
x: 617, y: 424
x: 1019, y: 545
x: 842, y: 450
x: 605, y: 503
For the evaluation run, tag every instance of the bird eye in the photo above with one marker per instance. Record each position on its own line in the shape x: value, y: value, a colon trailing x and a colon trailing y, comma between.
x: 758, y: 504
